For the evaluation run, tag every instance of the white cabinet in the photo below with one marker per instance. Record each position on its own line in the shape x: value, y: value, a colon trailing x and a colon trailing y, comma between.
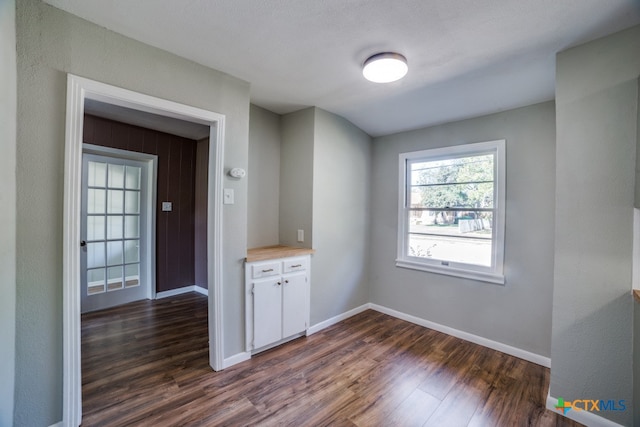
x: 295, y: 312
x: 267, y: 311
x: 276, y: 301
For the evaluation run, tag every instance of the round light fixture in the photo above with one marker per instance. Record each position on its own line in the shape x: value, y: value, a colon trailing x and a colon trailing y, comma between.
x: 385, y: 67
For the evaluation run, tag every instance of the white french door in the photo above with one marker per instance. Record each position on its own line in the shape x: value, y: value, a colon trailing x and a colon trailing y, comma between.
x: 115, y: 217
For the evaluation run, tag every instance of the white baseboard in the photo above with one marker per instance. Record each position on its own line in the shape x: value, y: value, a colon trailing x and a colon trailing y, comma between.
x: 201, y: 290
x: 241, y: 357
x: 183, y: 290
x: 584, y: 417
x: 504, y: 348
x: 339, y: 318
x: 235, y: 359
x: 173, y: 292
x: 485, y: 342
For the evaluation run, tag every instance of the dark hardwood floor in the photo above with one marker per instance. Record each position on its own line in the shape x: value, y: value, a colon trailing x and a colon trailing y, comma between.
x: 146, y: 363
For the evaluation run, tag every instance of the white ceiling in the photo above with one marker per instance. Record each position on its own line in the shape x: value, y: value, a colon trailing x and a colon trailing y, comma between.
x: 466, y: 57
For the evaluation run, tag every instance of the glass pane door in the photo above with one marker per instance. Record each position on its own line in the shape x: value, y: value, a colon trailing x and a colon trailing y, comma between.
x: 112, y: 229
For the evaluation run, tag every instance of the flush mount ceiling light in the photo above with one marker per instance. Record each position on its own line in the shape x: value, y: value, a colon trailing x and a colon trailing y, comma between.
x: 385, y: 67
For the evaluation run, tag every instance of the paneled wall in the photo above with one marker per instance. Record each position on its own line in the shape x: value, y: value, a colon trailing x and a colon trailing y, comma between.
x: 175, y: 230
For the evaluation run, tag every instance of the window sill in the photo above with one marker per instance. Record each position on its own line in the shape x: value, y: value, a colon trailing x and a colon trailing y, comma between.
x: 449, y: 271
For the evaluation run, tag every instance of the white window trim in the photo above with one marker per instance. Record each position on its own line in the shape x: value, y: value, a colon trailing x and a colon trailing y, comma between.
x: 494, y: 274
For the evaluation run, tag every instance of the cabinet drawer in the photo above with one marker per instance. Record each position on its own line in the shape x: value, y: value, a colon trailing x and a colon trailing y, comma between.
x: 295, y: 264
x: 265, y: 269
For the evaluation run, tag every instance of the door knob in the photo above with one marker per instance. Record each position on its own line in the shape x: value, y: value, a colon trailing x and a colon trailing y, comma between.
x: 83, y: 243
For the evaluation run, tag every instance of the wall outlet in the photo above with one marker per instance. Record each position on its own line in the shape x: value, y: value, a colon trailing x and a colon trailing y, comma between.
x: 167, y: 206
x: 300, y: 236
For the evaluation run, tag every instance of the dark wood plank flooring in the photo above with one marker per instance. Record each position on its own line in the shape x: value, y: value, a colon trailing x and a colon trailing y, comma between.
x: 146, y: 363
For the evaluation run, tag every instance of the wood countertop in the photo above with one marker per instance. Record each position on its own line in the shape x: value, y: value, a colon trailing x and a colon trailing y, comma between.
x: 636, y: 295
x: 276, y: 251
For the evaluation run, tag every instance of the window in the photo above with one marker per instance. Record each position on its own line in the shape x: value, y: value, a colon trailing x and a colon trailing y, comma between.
x: 451, y: 211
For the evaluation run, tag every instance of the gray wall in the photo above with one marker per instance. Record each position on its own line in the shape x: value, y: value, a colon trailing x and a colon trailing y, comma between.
x: 324, y: 179
x: 518, y: 313
x: 596, y: 116
x: 296, y: 178
x: 636, y: 362
x: 637, y: 185
x: 8, y: 213
x: 50, y: 44
x: 263, y: 178
x: 341, y: 216
x: 636, y: 306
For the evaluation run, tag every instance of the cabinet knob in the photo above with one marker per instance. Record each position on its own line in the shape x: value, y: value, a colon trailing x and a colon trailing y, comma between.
x: 286, y: 281
x: 279, y: 283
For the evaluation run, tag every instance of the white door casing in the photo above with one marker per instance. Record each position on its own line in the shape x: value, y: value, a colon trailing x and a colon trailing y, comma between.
x: 79, y: 89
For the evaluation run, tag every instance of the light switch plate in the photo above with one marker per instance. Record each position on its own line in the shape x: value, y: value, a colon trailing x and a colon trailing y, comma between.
x: 167, y: 206
x: 228, y: 196
x: 300, y: 236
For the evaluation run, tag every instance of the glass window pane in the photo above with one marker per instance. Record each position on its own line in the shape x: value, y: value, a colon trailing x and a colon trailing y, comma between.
x: 114, y: 278
x: 114, y: 253
x: 95, y: 227
x: 116, y: 176
x: 115, y: 201
x: 477, y: 225
x: 97, y: 174
x: 468, y: 196
x: 465, y: 182
x: 448, y: 248
x: 114, y: 227
x: 95, y: 281
x: 95, y: 201
x: 131, y: 275
x: 95, y: 255
x: 131, y: 226
x: 451, y: 171
x: 133, y: 178
x: 451, y: 215
x: 131, y: 251
x: 132, y: 202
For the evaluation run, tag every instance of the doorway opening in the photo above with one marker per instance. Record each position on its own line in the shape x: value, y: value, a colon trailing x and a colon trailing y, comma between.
x: 79, y: 90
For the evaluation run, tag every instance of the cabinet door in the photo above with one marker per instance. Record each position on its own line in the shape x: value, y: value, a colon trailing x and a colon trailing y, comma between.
x: 295, y: 301
x: 267, y: 311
